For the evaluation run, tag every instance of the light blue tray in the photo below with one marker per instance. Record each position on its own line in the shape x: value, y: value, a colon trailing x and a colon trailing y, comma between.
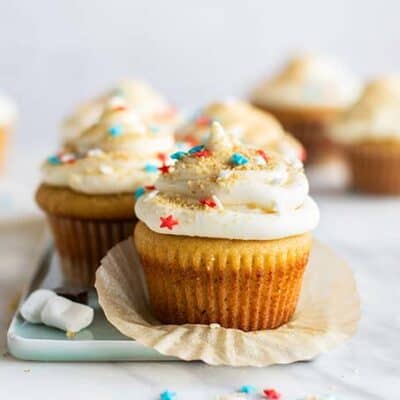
x: 100, y: 342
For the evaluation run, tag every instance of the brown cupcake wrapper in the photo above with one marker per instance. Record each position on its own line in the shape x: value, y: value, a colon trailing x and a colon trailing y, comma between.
x: 375, y: 169
x: 223, y: 281
x: 81, y: 244
x: 311, y: 132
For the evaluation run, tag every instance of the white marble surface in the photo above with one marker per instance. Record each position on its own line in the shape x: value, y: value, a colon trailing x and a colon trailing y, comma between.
x: 364, y: 230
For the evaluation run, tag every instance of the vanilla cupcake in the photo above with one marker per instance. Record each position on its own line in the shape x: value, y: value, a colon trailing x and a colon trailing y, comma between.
x: 306, y: 96
x: 370, y: 134
x: 225, y: 236
x: 148, y: 104
x: 8, y: 116
x: 245, y: 123
x: 88, y: 193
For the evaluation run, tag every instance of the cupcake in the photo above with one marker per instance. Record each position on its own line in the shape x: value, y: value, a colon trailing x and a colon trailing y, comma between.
x: 225, y: 236
x: 88, y: 192
x: 243, y: 121
x: 147, y: 103
x: 8, y: 116
x: 306, y: 96
x: 370, y: 135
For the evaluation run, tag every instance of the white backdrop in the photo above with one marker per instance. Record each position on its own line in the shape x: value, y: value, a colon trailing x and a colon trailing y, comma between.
x: 53, y: 53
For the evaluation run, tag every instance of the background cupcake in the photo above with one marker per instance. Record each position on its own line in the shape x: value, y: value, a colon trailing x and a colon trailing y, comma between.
x: 148, y: 104
x: 8, y: 116
x: 370, y: 134
x: 88, y: 192
x: 306, y: 96
x: 225, y: 236
x: 246, y: 123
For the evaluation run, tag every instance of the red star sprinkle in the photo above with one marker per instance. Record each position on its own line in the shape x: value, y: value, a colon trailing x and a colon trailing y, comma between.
x: 150, y: 187
x: 162, y: 157
x: 208, y: 203
x: 263, y: 154
x: 303, y: 154
x: 272, y: 394
x: 168, y: 222
x: 164, y: 169
x: 203, y: 153
x: 202, y: 120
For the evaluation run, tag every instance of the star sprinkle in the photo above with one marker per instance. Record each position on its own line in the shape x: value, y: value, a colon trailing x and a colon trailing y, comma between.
x: 178, y: 155
x: 150, y: 187
x: 115, y: 130
x: 238, y: 159
x: 168, y: 395
x: 263, y: 154
x: 196, y: 149
x: 150, y: 168
x: 54, y: 160
x: 247, y: 389
x: 164, y: 169
x: 272, y: 394
x: 168, y: 222
x: 208, y: 202
x: 202, y: 153
x: 139, y: 192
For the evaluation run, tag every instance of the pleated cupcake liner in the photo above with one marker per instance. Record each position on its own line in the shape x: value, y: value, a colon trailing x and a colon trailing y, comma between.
x: 375, y: 169
x: 81, y: 244
x: 218, y: 281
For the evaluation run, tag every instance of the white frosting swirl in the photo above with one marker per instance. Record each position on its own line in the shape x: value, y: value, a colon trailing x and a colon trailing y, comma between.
x: 147, y: 103
x: 8, y: 111
x: 376, y: 116
x: 227, y: 190
x: 122, y: 129
x: 309, y: 81
x: 118, y: 154
x: 246, y: 123
x: 99, y: 172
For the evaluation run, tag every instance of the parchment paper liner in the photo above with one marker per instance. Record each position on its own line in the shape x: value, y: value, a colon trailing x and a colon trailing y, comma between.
x: 327, y: 315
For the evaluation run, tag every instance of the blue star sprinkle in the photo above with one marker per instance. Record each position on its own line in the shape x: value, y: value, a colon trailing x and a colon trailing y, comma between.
x: 178, y: 155
x: 247, y: 389
x: 54, y: 160
x: 196, y: 149
x: 238, y: 159
x: 167, y: 395
x: 115, y: 130
x: 139, y: 192
x: 150, y: 168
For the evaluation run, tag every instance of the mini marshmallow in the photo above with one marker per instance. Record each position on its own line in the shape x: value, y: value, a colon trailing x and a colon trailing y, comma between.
x: 66, y: 315
x: 33, y: 305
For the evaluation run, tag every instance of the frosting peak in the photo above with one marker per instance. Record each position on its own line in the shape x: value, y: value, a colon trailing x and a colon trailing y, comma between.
x: 229, y: 190
x: 309, y: 81
x: 243, y: 121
